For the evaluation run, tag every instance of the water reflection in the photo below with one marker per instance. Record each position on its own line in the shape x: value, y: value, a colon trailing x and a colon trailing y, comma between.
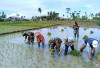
x: 14, y: 52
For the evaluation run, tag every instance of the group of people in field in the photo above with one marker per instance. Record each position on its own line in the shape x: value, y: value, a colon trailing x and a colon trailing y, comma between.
x: 55, y: 43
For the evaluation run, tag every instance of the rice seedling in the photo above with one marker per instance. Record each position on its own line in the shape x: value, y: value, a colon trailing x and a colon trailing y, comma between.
x: 53, y: 64
x: 50, y: 61
x: 62, y: 30
x: 26, y: 42
x: 49, y: 33
x: 85, y: 28
x: 68, y: 65
x: 75, y: 52
x: 91, y: 32
x: 74, y: 65
x: 88, y: 26
x: 78, y: 61
x: 65, y: 27
x: 97, y: 54
x: 85, y: 37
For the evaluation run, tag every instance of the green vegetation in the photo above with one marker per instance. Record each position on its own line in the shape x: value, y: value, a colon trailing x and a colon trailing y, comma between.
x: 98, y: 23
x: 97, y: 54
x: 91, y: 32
x: 26, y: 42
x: 10, y: 26
x: 88, y: 26
x: 62, y: 30
x: 85, y: 37
x: 49, y: 33
x: 65, y: 27
x: 75, y: 52
x: 52, y: 53
x: 85, y: 28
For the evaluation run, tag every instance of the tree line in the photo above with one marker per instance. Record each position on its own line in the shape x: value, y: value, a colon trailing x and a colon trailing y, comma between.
x: 52, y: 15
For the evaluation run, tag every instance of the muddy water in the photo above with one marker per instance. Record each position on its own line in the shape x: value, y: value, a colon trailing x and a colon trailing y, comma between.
x: 15, y: 53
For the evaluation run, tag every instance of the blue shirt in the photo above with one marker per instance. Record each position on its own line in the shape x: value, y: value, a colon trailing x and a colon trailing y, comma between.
x: 89, y: 41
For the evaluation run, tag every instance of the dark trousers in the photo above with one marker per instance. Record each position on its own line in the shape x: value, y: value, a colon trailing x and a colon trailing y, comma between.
x: 39, y: 44
x: 30, y: 40
x: 76, y: 33
x: 66, y: 49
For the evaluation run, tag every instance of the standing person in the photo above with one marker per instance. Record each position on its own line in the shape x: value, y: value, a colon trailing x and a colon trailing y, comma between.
x: 76, y: 29
x: 40, y: 38
x: 69, y: 41
x: 90, y: 43
x: 54, y: 44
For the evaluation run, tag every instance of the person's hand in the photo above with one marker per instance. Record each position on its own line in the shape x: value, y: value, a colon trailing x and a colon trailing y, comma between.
x: 69, y: 44
x: 49, y: 49
x: 58, y: 53
x: 90, y: 58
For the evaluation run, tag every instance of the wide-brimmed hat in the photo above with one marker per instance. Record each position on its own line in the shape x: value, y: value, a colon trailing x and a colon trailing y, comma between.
x: 95, y: 43
x: 37, y: 33
x: 71, y: 39
x: 65, y: 38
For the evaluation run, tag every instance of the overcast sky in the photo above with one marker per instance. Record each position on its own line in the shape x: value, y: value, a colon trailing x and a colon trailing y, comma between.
x: 29, y: 8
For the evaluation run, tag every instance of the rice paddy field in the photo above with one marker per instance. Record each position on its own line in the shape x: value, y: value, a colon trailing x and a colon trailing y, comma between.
x: 15, y: 53
x: 10, y: 26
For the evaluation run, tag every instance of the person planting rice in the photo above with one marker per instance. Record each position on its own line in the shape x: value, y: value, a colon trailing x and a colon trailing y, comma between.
x: 90, y: 43
x: 76, y: 29
x: 54, y: 44
x: 25, y: 34
x: 30, y: 36
x: 69, y: 41
x: 40, y: 38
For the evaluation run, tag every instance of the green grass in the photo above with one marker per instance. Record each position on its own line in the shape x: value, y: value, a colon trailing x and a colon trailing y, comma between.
x: 9, y: 26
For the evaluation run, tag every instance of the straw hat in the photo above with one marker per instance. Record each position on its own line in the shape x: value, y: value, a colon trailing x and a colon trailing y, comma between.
x: 95, y: 43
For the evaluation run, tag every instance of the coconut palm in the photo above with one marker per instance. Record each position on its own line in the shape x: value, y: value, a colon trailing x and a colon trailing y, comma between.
x: 63, y: 15
x: 92, y: 15
x: 17, y: 15
x: 39, y: 9
x: 48, y: 13
x: 68, y: 10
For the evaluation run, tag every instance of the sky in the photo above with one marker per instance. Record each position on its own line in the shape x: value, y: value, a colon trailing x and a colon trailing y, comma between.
x: 29, y: 8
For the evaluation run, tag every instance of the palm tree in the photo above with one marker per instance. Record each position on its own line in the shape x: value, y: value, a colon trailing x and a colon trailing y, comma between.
x: 73, y: 16
x: 17, y: 15
x: 68, y: 10
x: 63, y: 15
x: 3, y: 15
x: 39, y: 9
x: 48, y: 13
x: 92, y: 15
x: 99, y: 14
x: 79, y: 13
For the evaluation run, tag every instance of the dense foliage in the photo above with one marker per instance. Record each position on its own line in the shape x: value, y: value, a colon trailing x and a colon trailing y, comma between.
x: 75, y: 52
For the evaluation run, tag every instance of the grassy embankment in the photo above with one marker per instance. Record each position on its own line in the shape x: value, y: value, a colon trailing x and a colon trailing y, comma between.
x: 21, y: 25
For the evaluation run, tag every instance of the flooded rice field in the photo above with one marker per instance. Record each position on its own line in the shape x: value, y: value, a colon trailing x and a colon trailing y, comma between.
x: 15, y: 53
